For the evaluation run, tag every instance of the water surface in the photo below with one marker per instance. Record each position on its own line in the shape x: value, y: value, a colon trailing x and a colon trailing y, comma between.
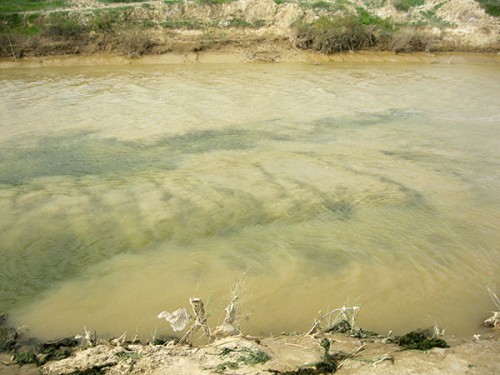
x: 125, y: 190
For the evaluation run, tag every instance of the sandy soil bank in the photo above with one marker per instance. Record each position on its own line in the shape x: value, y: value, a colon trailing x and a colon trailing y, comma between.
x: 235, y: 55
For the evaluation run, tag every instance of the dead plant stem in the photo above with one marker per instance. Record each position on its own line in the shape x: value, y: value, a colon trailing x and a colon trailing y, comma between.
x: 11, y: 47
x: 351, y: 356
x: 318, y: 322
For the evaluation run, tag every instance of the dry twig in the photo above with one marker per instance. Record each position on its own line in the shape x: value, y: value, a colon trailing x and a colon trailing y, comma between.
x: 11, y: 47
x: 494, y: 320
x: 230, y: 326
x: 494, y: 297
x: 385, y: 357
x: 348, y: 314
x: 351, y: 356
x: 199, y: 322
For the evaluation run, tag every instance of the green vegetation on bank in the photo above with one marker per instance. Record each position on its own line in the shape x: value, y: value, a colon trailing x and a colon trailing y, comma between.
x: 325, y: 5
x: 121, y: 1
x: 336, y: 34
x: 406, y: 5
x: 12, y: 6
x: 347, y: 32
x: 492, y: 7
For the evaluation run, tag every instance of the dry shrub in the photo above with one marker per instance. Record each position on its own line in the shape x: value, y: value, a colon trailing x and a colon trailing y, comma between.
x: 329, y: 35
x: 8, y: 46
x: 464, y: 10
x: 135, y: 41
x: 411, y: 40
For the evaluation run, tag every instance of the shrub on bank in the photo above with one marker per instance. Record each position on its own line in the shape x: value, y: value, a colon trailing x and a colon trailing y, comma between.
x: 348, y: 32
x: 406, y: 5
x: 64, y: 25
x: 15, y: 23
x: 337, y: 34
x: 411, y: 39
x: 135, y: 41
x: 362, y: 31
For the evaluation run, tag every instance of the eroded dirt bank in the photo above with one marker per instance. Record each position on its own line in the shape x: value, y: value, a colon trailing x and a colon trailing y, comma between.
x: 261, y: 28
x: 230, y: 55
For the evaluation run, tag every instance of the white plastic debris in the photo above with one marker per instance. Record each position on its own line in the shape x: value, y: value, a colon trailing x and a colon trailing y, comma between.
x: 178, y: 320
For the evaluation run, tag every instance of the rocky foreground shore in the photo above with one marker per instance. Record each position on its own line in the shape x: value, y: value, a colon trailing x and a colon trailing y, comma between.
x: 339, y: 348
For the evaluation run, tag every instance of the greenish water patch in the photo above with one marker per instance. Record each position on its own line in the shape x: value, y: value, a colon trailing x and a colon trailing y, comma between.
x: 83, y: 154
x: 81, y: 199
x: 331, y: 124
x: 47, y: 249
x: 77, y: 156
x: 214, y: 140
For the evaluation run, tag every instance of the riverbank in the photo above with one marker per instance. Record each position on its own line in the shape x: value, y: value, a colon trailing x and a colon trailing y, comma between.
x: 262, y: 30
x: 234, y: 55
x: 342, y: 350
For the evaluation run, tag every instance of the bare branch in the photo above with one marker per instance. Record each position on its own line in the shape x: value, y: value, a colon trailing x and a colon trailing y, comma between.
x: 199, y: 322
x: 354, y: 311
x: 494, y: 320
x: 494, y: 298
x: 351, y: 356
x: 230, y: 325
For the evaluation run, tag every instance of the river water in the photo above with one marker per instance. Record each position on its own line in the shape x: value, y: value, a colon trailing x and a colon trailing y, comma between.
x: 125, y: 190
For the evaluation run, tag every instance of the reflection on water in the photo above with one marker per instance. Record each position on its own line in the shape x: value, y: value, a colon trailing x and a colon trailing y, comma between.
x: 126, y: 190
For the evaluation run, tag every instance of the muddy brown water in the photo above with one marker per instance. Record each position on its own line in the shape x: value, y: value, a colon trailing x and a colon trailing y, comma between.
x: 125, y: 190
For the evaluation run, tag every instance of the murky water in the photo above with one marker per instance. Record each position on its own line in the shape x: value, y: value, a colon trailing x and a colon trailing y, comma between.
x: 125, y: 190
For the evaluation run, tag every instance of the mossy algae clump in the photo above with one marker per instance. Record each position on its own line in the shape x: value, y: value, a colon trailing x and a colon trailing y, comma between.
x: 24, y: 358
x: 27, y: 351
x: 7, y: 339
x: 244, y: 356
x: 42, y: 353
x: 8, y: 335
x: 420, y: 340
x: 56, y: 350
